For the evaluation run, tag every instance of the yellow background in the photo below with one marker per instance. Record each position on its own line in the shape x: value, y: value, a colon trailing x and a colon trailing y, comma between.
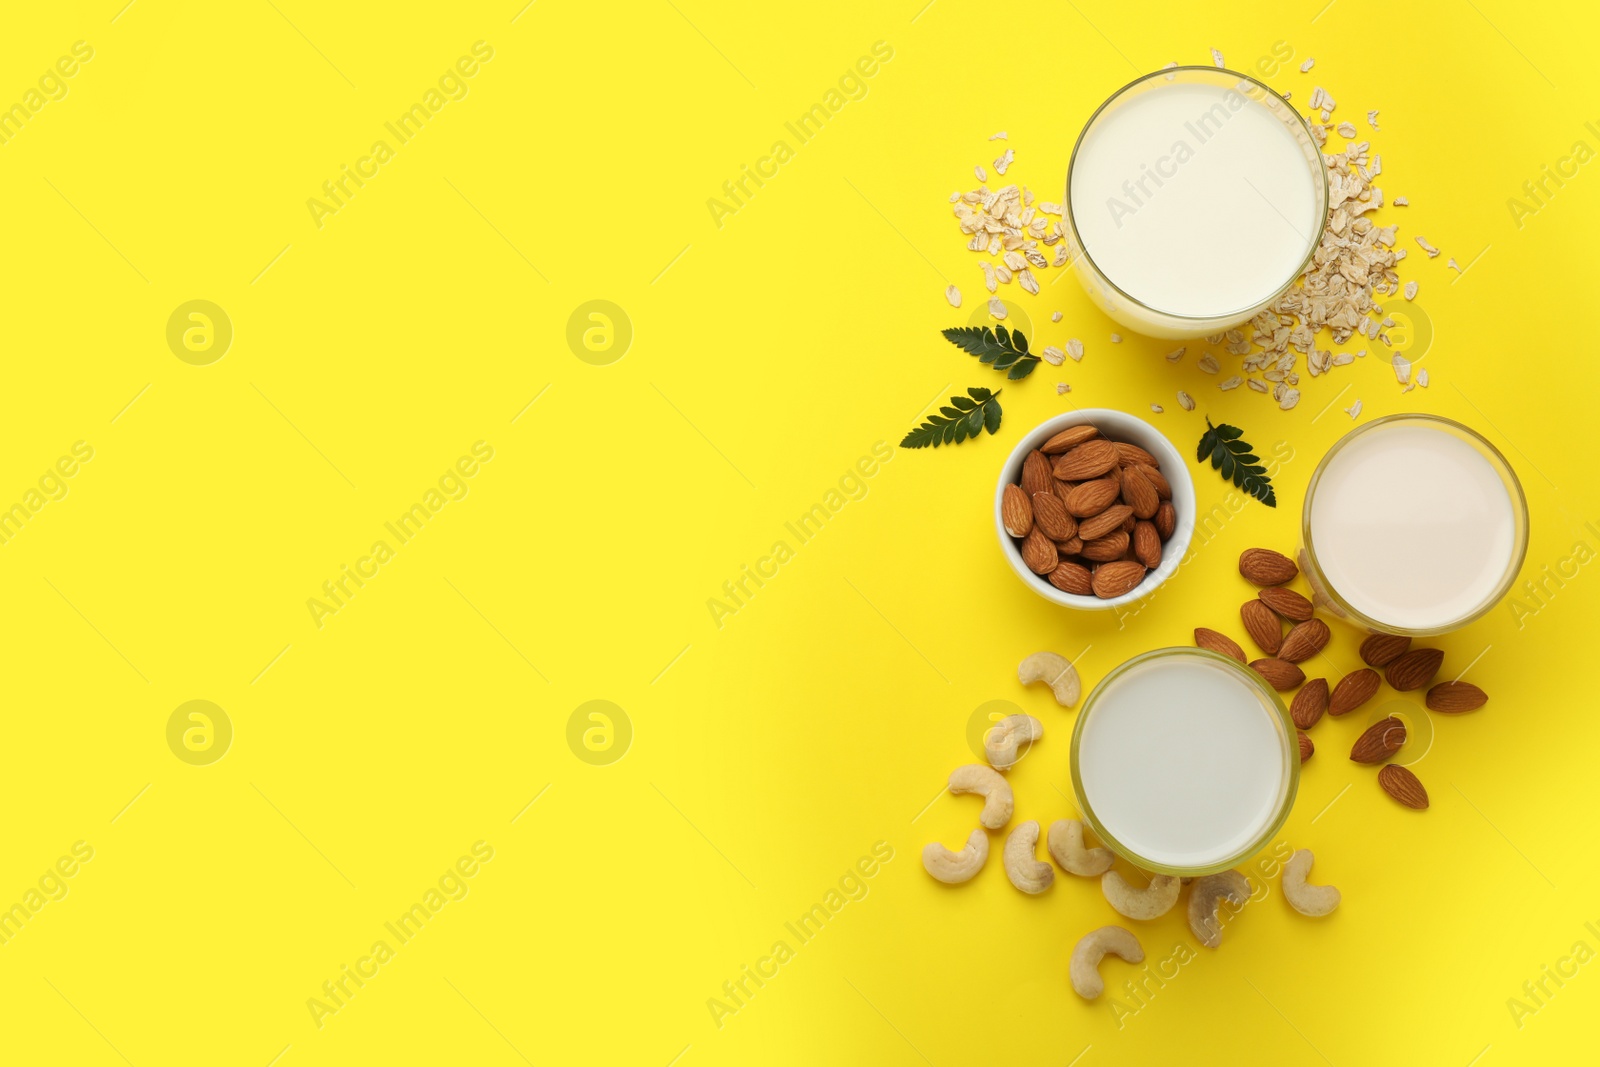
x: 769, y: 354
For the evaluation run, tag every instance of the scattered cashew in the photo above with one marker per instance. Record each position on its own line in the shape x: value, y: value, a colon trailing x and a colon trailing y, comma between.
x: 957, y: 867
x: 1207, y: 893
x: 996, y: 792
x: 1004, y: 743
x: 1025, y: 872
x: 1307, y: 899
x: 1086, y: 980
x: 1055, y: 671
x: 1152, y: 902
x: 1066, y: 848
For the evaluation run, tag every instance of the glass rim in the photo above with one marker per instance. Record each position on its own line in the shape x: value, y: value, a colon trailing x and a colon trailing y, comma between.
x: 1321, y: 178
x: 1291, y: 754
x: 1520, y: 518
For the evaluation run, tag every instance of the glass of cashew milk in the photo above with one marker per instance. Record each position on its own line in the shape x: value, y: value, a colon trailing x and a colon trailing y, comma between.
x: 1195, y: 197
x: 1184, y: 762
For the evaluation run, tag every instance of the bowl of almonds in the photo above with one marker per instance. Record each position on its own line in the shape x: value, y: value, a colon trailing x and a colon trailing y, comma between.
x: 1094, y: 509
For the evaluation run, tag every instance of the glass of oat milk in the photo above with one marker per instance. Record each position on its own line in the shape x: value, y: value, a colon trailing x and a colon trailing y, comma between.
x: 1195, y: 197
x: 1184, y: 762
x: 1413, y: 525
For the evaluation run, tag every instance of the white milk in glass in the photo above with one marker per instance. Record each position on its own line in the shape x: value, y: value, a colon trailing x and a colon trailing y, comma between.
x: 1183, y: 761
x: 1196, y: 199
x: 1412, y: 526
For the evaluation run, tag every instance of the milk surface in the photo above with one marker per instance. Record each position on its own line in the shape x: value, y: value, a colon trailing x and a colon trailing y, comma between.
x: 1182, y: 762
x: 1194, y: 199
x: 1412, y: 526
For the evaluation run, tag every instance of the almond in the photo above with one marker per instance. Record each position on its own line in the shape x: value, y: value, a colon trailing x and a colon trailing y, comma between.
x: 1072, y: 578
x: 1107, y: 548
x: 1166, y: 520
x: 1353, y: 690
x: 1015, y: 511
x: 1215, y: 642
x: 1039, y: 552
x: 1380, y: 741
x: 1070, y: 547
x: 1279, y: 673
x: 1309, y: 704
x: 1287, y: 602
x: 1163, y: 488
x: 1128, y: 455
x: 1456, y: 696
x: 1263, y: 626
x: 1401, y: 784
x: 1304, y: 641
x: 1036, y: 474
x: 1089, y: 460
x: 1415, y: 669
x: 1108, y: 520
x: 1147, y: 544
x: 1068, y: 439
x: 1306, y: 747
x: 1139, y: 494
x: 1262, y: 566
x: 1050, y: 514
x: 1115, y: 579
x: 1063, y: 488
x: 1091, y: 498
x: 1380, y: 649
x: 1127, y: 524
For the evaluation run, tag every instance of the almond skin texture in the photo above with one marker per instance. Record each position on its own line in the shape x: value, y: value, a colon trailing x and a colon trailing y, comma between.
x: 1381, y: 740
x: 1091, y: 498
x: 1072, y: 578
x: 1147, y: 544
x: 1139, y: 494
x: 1106, y: 549
x: 1115, y: 579
x: 1262, y: 566
x: 1279, y: 673
x: 1158, y: 480
x: 1262, y: 624
x: 1215, y: 642
x: 1039, y: 552
x: 1036, y: 474
x: 1380, y: 649
x: 1304, y: 641
x: 1452, y: 697
x: 1309, y: 703
x: 1306, y: 747
x: 1050, y: 515
x: 1131, y: 455
x: 1287, y: 602
x: 1108, y: 520
x: 1353, y: 690
x: 1166, y: 520
x: 1072, y: 546
x: 1015, y: 511
x: 1401, y: 784
x: 1089, y: 460
x: 1415, y: 669
x: 1068, y: 439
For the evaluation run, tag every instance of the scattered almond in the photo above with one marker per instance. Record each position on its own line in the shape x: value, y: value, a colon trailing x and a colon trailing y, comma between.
x: 1306, y: 747
x: 1287, y: 602
x: 1401, y: 784
x: 1352, y: 691
x: 1380, y: 741
x: 1016, y: 514
x: 1217, y: 642
x: 1452, y: 697
x: 1263, y: 626
x: 1305, y: 640
x: 1380, y: 649
x: 1279, y: 673
x: 1262, y: 566
x: 1309, y: 704
x: 1415, y: 669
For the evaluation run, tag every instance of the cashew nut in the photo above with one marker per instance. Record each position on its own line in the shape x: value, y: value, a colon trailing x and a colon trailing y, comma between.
x: 1055, y: 671
x: 1207, y: 893
x: 957, y: 867
x: 996, y: 792
x: 1025, y: 872
x: 1307, y: 899
x: 1066, y: 848
x: 1004, y: 743
x: 1086, y: 980
x: 1152, y: 902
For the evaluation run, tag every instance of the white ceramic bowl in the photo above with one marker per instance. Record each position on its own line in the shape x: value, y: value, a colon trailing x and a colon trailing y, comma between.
x: 1117, y: 426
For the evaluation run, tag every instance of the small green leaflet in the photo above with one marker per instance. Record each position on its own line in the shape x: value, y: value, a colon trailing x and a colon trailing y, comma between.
x: 1005, y: 350
x: 1236, y: 459
x: 960, y: 419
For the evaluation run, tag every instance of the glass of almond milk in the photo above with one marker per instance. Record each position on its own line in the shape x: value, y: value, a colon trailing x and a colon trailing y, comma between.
x: 1184, y: 762
x: 1413, y: 525
x: 1195, y: 197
